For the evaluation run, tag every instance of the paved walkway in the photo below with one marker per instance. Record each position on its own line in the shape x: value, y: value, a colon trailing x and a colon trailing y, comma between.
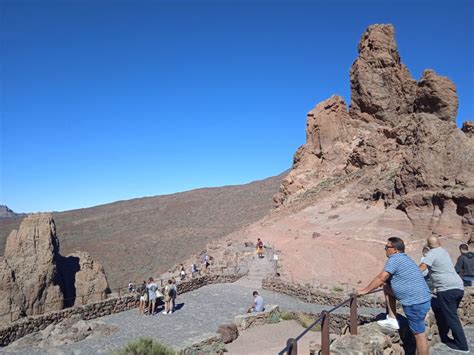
x: 199, y: 314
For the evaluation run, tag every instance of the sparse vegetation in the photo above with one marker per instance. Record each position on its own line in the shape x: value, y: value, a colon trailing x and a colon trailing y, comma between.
x: 337, y: 289
x: 145, y: 346
x: 284, y: 315
x: 306, y: 320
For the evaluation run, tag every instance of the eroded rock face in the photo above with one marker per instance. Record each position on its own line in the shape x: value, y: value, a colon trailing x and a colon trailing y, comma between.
x: 437, y: 95
x: 30, y: 279
x: 380, y: 84
x: 398, y: 142
x: 33, y: 277
x: 84, y: 279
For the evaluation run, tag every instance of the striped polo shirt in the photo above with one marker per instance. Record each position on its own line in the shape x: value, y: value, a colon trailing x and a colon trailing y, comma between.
x: 406, y: 280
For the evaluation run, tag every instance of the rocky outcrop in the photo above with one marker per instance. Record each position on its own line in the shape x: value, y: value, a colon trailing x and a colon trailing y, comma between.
x: 33, y: 275
x: 398, y: 142
x: 380, y: 84
x: 84, y: 279
x: 30, y: 279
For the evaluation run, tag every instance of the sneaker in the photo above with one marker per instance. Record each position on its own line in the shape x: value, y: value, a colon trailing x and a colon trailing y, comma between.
x: 389, y: 323
x: 164, y: 312
x: 452, y: 347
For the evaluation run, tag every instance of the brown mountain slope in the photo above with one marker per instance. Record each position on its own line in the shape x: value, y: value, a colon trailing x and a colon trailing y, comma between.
x: 142, y: 237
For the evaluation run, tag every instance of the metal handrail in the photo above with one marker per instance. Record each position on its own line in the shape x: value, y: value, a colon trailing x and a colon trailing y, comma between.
x: 291, y: 347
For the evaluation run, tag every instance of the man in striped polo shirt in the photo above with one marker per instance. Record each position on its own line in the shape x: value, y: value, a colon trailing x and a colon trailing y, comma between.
x: 403, y: 281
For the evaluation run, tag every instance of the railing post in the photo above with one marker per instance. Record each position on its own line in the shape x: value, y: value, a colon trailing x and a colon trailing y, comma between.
x: 325, y: 333
x: 353, y: 324
x: 292, y: 346
x: 119, y: 293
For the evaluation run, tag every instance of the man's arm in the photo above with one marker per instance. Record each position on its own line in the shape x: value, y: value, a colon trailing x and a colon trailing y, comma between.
x: 378, y: 281
x: 459, y: 265
x: 423, y: 267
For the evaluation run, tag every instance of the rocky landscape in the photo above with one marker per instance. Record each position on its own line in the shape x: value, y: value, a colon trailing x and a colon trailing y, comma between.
x: 392, y: 164
x: 35, y: 278
x: 144, y: 237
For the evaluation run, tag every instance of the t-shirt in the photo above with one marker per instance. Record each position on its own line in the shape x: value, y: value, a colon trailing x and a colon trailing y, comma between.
x: 442, y: 272
x: 152, y: 290
x: 406, y: 280
x: 259, y: 304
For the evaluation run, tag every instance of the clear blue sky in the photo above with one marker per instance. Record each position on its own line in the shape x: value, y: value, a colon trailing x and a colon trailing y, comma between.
x: 110, y: 100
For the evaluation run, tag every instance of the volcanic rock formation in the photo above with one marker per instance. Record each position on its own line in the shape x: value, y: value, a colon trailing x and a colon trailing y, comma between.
x: 35, y: 278
x: 398, y: 141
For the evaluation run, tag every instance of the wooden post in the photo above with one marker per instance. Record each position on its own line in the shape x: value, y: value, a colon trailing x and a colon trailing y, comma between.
x: 83, y: 300
x: 353, y: 325
x: 292, y: 346
x: 325, y: 333
x: 119, y: 293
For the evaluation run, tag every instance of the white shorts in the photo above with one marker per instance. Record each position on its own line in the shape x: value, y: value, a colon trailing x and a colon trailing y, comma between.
x: 142, y: 298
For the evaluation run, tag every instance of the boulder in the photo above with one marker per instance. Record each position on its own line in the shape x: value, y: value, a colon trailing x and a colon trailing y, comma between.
x: 228, y: 332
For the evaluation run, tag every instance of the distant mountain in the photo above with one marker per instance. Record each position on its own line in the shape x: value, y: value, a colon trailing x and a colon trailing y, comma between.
x: 146, y: 236
x: 6, y: 213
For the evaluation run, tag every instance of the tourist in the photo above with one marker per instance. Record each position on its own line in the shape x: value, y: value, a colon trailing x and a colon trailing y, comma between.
x: 449, y: 293
x: 168, y: 293
x: 257, y: 305
x: 152, y: 287
x: 465, y: 264
x: 403, y: 281
x: 205, y: 261
x: 259, y: 248
x: 182, y: 273
x: 143, y: 292
x: 130, y: 287
x: 173, y: 297
x: 194, y: 270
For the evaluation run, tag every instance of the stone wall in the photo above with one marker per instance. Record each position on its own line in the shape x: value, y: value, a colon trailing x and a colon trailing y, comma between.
x: 32, y: 324
x: 313, y: 295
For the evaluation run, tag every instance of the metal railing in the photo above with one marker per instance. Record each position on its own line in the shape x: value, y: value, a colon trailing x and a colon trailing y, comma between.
x: 291, y: 347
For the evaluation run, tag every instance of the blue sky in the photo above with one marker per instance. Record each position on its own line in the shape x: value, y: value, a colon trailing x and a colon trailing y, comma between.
x: 111, y: 100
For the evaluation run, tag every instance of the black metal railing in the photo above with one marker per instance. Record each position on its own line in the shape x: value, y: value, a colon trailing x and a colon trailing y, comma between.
x: 291, y: 347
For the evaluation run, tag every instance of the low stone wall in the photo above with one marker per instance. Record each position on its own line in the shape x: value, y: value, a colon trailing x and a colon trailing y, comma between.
x: 313, y: 295
x: 466, y: 308
x: 248, y: 320
x: 32, y: 324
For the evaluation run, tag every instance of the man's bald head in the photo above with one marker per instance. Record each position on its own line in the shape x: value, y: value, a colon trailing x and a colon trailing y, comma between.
x: 433, y: 242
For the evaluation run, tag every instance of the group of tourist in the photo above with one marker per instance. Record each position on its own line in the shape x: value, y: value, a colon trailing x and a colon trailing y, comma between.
x: 403, y: 280
x: 150, y: 293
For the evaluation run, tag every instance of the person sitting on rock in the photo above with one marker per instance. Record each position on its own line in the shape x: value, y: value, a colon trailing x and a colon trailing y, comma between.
x: 465, y: 264
x: 403, y: 281
x: 258, y: 305
x: 152, y: 287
